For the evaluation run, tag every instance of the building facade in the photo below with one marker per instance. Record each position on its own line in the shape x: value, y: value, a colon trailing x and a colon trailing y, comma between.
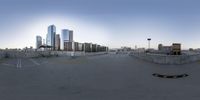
x: 174, y: 49
x: 165, y: 49
x: 57, y: 42
x: 94, y: 47
x: 68, y: 46
x: 66, y: 36
x: 38, y: 41
x: 71, y: 36
x: 51, y: 36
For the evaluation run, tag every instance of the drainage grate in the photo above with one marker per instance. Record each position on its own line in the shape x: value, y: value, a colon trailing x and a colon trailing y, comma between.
x: 170, y: 76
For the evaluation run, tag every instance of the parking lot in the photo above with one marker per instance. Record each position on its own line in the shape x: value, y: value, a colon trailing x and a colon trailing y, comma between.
x: 102, y: 77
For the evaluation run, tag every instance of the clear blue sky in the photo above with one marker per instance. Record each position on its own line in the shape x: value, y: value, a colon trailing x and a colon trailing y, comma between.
x: 114, y: 23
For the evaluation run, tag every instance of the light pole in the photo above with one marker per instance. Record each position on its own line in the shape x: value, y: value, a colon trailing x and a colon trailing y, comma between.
x: 149, y: 39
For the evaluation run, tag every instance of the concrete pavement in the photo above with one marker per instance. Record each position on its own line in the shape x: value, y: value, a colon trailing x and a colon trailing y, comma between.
x: 102, y: 77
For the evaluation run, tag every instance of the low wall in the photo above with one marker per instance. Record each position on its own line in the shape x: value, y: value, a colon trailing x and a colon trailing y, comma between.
x: 22, y: 54
x: 1, y: 54
x: 96, y: 53
x: 167, y: 59
x: 66, y: 53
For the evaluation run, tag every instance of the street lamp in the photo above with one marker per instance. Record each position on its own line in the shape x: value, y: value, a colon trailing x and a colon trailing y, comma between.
x: 149, y: 39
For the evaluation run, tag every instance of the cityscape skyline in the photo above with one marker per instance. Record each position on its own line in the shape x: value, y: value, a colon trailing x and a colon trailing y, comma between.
x: 99, y: 49
x: 124, y: 23
x: 65, y: 42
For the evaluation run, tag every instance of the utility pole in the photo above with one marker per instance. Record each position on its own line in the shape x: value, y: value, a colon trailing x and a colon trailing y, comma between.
x: 149, y: 39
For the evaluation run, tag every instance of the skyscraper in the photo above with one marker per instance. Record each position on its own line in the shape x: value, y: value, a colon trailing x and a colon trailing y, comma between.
x: 66, y: 36
x: 57, y: 42
x: 71, y: 36
x: 38, y: 41
x: 51, y: 36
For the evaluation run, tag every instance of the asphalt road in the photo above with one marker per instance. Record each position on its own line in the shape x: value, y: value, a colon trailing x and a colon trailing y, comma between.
x: 103, y: 77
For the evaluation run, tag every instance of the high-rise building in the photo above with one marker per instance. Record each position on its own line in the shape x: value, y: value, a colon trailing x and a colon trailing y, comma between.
x: 44, y: 43
x: 57, y: 42
x: 71, y: 36
x: 38, y: 41
x: 66, y: 36
x: 51, y: 36
x: 68, y: 46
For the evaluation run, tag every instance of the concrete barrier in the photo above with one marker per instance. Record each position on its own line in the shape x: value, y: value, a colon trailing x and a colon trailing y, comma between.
x: 167, y: 59
x: 28, y: 54
x: 96, y: 53
x: 1, y: 54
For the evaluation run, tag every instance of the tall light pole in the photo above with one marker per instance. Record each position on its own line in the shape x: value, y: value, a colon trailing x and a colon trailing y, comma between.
x: 149, y: 39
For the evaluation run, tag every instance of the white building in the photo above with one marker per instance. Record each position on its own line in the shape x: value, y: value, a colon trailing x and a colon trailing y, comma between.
x: 57, y: 42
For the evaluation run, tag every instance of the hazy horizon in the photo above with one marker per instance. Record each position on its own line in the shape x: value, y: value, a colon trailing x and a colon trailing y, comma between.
x: 113, y: 23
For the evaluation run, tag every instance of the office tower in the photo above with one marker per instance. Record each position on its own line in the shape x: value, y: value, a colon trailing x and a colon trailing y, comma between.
x: 66, y: 36
x: 71, y: 36
x: 51, y: 36
x: 57, y: 42
x: 68, y: 46
x: 38, y: 41
x: 44, y: 43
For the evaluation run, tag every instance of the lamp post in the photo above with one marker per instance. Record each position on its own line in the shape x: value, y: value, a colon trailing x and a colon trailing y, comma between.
x: 149, y: 39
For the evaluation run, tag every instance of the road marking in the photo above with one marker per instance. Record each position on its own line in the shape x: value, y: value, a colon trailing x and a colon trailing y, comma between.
x: 36, y: 63
x: 7, y: 64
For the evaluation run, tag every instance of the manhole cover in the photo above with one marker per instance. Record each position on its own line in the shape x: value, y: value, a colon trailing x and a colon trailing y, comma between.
x: 170, y: 76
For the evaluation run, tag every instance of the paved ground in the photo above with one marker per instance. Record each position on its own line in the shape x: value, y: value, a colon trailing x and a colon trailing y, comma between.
x: 103, y: 77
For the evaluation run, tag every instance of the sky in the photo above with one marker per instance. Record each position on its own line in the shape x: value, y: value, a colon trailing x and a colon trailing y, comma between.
x: 112, y: 23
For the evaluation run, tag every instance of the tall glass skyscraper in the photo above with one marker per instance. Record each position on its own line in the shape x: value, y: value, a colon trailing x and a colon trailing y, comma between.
x: 38, y: 41
x: 66, y: 36
x: 51, y: 36
x: 71, y: 36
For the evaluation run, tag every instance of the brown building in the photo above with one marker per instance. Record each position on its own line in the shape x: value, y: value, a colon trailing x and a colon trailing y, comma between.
x: 94, y: 48
x: 68, y: 46
x: 176, y: 49
x: 88, y: 47
x: 57, y: 42
x: 76, y: 46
